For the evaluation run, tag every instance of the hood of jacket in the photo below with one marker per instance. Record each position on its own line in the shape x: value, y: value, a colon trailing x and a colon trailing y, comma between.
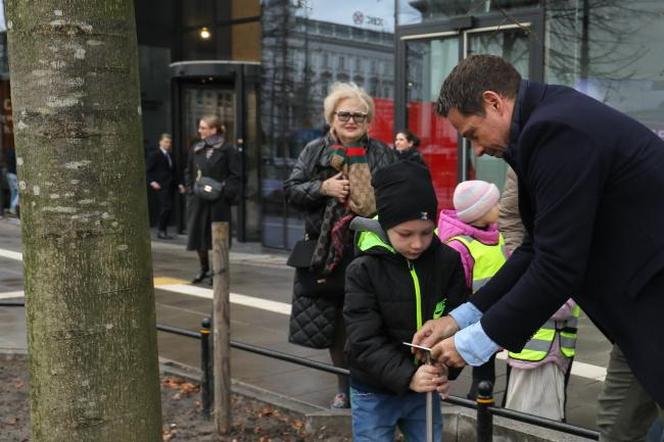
x: 449, y: 225
x: 371, y: 239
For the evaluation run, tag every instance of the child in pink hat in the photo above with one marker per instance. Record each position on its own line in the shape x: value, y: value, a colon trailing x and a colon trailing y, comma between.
x: 472, y: 231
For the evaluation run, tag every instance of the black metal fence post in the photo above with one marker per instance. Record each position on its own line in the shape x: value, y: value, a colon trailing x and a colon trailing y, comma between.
x: 206, y: 368
x: 484, y: 416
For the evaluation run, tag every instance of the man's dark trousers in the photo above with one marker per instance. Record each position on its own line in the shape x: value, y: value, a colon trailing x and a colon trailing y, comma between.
x: 165, y: 197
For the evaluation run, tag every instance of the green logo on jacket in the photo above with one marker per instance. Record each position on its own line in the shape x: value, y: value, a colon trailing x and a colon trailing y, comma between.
x: 440, y: 308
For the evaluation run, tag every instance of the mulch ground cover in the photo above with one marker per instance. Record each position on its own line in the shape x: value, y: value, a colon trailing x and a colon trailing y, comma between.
x: 182, y: 419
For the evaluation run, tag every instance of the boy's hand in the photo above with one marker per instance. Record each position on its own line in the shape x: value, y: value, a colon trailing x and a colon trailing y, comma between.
x: 428, y: 378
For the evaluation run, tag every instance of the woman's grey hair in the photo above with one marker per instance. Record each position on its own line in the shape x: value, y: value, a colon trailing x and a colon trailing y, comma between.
x: 341, y: 91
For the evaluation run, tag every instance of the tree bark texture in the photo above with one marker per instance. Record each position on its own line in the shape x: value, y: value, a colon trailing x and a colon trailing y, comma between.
x: 88, y: 270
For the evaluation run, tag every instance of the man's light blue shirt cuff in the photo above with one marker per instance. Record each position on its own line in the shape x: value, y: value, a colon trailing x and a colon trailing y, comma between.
x: 466, y: 314
x: 474, y: 346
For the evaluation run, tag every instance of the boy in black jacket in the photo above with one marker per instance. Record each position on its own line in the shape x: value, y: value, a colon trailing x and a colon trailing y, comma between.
x: 402, y: 277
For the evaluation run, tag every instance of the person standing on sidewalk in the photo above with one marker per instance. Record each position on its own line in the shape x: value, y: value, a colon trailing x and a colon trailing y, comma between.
x: 626, y: 410
x: 403, y: 275
x: 471, y: 230
x: 3, y: 172
x: 538, y: 375
x: 216, y: 159
x: 590, y: 184
x: 162, y: 179
x: 329, y: 198
x: 406, y: 143
x: 12, y: 181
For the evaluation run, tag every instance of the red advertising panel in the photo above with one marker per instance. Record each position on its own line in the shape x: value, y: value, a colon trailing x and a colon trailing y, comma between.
x: 438, y: 146
x: 382, y: 126
x: 438, y: 142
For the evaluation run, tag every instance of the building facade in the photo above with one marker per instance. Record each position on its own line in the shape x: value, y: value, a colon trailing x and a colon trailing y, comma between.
x: 306, y: 47
x: 608, y: 49
x: 265, y: 66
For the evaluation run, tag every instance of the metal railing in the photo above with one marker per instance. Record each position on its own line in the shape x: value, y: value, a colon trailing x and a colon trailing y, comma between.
x: 484, y: 404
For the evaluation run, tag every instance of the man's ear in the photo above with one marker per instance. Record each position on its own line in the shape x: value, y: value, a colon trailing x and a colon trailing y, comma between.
x: 493, y: 100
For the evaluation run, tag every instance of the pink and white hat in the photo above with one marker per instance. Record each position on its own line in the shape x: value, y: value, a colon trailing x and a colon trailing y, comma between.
x: 474, y: 198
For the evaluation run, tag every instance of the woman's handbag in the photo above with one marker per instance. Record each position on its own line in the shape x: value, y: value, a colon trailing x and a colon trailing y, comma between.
x: 311, y: 283
x: 207, y: 188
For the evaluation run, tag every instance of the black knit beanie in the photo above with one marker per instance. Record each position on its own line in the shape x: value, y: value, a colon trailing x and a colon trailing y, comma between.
x: 403, y: 193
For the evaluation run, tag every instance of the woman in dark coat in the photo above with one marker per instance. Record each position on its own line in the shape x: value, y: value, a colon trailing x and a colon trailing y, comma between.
x: 314, y: 187
x: 406, y: 144
x: 214, y: 158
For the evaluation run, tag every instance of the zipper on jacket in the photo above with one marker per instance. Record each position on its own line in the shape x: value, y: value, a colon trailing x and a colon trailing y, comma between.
x: 418, y: 294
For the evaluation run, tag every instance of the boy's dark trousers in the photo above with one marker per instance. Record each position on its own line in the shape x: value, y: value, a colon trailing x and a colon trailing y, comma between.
x: 485, y: 372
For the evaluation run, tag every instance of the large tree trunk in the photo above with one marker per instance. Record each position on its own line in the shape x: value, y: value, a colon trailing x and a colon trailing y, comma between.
x: 88, y: 272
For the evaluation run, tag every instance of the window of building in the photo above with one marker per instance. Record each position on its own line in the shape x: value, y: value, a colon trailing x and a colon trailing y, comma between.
x: 291, y: 108
x: 613, y: 54
x: 410, y: 12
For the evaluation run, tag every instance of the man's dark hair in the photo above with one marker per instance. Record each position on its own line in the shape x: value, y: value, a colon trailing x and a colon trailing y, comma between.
x: 463, y: 88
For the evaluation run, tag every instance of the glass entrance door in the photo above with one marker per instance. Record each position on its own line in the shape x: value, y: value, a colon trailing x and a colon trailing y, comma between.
x: 198, y: 101
x: 510, y: 42
x: 429, y: 61
x: 429, y: 58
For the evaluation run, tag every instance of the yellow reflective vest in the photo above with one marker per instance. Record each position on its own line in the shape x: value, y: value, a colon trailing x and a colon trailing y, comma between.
x: 540, y: 344
x: 488, y: 258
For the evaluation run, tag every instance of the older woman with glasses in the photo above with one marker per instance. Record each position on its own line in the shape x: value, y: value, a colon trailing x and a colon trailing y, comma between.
x: 331, y: 183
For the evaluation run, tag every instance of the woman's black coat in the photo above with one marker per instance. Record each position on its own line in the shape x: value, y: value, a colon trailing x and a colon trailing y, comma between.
x: 223, y: 166
x: 314, y: 321
x: 302, y: 187
x: 411, y: 154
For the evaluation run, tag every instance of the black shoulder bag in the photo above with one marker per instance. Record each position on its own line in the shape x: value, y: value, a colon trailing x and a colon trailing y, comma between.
x: 309, y: 282
x: 207, y: 188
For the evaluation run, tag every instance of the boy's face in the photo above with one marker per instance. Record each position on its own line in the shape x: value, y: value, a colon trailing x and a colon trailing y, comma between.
x: 411, y: 238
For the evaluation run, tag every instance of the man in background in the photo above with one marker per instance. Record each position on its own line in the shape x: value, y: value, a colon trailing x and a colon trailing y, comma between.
x: 162, y: 179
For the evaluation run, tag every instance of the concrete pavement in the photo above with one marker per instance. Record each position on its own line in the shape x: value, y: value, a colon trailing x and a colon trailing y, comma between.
x: 259, y: 316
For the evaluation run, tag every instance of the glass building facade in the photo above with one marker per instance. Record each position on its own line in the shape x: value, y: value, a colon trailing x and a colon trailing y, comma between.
x: 610, y: 50
x: 202, y: 57
x: 399, y: 51
x: 265, y: 67
x: 306, y: 46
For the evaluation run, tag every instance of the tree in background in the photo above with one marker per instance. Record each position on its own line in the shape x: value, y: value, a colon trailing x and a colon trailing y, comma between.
x: 88, y: 273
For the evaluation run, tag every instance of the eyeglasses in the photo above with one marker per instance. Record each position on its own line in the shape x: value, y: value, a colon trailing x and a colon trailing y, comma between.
x: 344, y: 116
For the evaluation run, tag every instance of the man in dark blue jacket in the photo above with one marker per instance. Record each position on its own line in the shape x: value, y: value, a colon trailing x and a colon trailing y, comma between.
x: 590, y: 197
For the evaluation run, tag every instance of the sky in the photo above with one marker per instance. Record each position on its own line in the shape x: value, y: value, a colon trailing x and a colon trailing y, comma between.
x: 3, y: 27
